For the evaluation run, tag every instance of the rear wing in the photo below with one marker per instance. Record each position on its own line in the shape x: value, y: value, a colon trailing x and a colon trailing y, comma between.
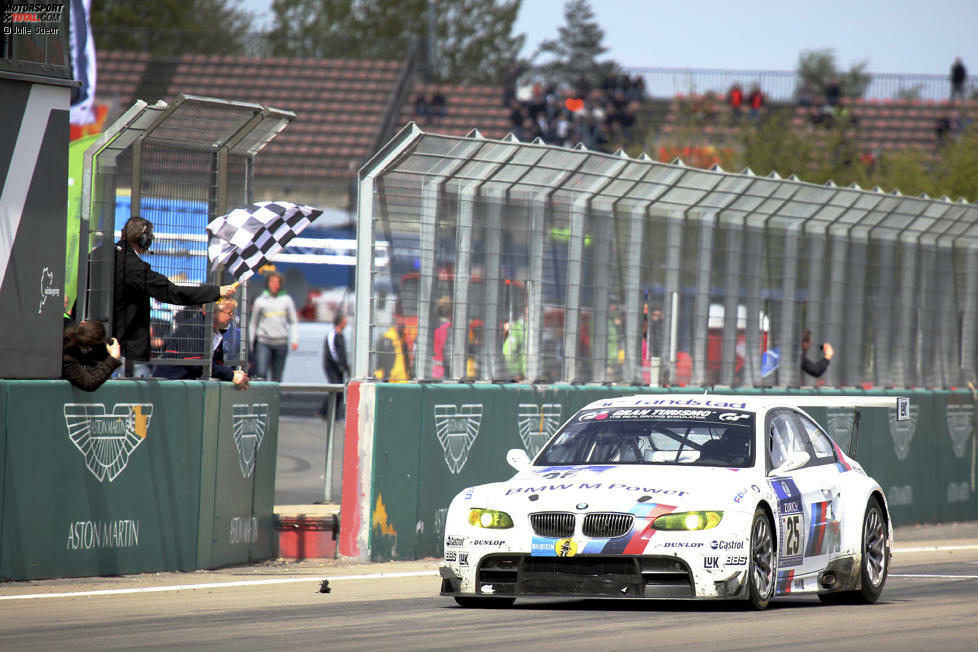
x: 900, y: 403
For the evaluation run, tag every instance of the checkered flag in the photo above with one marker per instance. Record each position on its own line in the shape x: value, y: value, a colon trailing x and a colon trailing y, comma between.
x: 247, y: 238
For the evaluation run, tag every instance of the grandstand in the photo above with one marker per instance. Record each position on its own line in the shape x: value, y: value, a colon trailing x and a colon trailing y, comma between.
x: 345, y: 108
x: 340, y: 107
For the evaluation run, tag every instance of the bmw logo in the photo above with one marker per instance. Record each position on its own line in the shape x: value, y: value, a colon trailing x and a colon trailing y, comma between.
x: 581, y: 505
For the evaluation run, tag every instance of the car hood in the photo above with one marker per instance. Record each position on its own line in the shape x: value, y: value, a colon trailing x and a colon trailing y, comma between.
x: 615, y: 488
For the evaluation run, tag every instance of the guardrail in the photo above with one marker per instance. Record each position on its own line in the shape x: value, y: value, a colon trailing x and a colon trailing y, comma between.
x: 781, y: 85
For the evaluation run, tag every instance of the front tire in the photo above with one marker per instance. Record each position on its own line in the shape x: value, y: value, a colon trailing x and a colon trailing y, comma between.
x: 874, y: 565
x: 470, y: 602
x: 762, y: 569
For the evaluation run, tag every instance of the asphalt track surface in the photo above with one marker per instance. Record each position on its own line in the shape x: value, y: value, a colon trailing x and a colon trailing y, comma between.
x: 930, y: 602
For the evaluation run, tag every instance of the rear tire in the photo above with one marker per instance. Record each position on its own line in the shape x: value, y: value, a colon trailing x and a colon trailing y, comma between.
x: 874, y: 565
x: 762, y: 569
x: 470, y: 602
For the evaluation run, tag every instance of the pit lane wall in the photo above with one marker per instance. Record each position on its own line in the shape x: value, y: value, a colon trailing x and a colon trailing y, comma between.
x: 410, y: 448
x: 139, y: 476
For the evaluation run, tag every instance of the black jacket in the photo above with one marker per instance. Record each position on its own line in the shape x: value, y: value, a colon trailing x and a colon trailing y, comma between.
x: 334, y: 368
x: 186, y: 342
x: 814, y: 368
x: 87, y: 370
x: 135, y: 283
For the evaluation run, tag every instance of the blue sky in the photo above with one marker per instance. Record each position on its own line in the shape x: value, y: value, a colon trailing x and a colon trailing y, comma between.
x: 894, y: 36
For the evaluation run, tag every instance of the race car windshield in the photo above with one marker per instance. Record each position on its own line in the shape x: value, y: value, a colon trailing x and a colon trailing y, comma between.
x: 694, y: 437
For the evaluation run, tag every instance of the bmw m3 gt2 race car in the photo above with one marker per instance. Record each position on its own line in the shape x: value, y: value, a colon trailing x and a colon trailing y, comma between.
x: 676, y: 496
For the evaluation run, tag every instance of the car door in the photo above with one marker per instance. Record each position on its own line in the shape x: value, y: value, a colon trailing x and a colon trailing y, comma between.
x: 806, y: 498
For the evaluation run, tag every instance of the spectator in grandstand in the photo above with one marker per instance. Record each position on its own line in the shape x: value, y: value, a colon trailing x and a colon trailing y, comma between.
x: 755, y: 102
x: 135, y: 282
x: 335, y: 364
x: 89, y: 359
x: 735, y: 100
x: 815, y: 369
x: 438, y: 104
x: 421, y: 108
x: 943, y: 129
x: 273, y: 328
x: 191, y: 337
x: 593, y: 117
x: 806, y: 96
x: 959, y: 74
x: 833, y: 93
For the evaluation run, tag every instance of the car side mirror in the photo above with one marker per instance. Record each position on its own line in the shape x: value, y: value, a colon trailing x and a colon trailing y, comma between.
x: 518, y: 459
x: 795, y: 460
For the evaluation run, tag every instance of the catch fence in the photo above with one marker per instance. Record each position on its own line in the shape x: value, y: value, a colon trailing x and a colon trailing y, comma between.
x: 179, y: 166
x: 522, y: 261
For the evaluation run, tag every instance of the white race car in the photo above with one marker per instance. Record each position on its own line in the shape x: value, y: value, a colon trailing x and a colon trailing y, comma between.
x: 676, y: 496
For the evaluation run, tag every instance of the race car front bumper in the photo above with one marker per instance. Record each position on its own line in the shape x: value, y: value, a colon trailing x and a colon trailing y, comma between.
x: 587, y: 576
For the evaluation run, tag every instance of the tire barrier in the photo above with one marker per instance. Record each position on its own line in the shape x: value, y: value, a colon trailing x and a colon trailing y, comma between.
x: 139, y: 476
x: 410, y: 448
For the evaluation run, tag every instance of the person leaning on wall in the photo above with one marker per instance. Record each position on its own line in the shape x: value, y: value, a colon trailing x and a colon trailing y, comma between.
x: 88, y: 358
x: 135, y: 282
x: 192, y: 336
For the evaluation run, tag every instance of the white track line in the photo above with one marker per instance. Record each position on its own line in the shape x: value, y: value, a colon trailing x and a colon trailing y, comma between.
x: 216, y: 585
x: 935, y: 548
x: 915, y: 576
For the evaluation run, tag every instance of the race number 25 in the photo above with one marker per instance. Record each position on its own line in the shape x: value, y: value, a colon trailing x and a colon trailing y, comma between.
x: 792, y: 535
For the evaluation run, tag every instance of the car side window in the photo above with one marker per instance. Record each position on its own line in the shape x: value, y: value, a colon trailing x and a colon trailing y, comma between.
x: 821, y: 444
x: 784, y: 437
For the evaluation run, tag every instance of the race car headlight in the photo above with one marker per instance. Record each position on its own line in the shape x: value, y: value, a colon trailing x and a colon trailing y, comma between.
x: 490, y: 518
x: 687, y: 521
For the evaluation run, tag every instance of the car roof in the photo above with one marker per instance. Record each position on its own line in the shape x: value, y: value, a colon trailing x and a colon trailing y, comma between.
x: 748, y: 402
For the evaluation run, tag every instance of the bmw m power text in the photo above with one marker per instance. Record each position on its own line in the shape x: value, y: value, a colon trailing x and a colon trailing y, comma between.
x: 675, y: 496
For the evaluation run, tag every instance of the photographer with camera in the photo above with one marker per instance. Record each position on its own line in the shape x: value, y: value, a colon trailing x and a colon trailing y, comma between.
x: 815, y: 369
x: 89, y: 357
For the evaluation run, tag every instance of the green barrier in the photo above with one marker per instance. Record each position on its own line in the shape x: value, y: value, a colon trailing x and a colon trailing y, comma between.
x: 393, y: 501
x: 237, y: 504
x: 3, y: 460
x: 136, y: 477
x: 100, y: 483
x: 432, y: 441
